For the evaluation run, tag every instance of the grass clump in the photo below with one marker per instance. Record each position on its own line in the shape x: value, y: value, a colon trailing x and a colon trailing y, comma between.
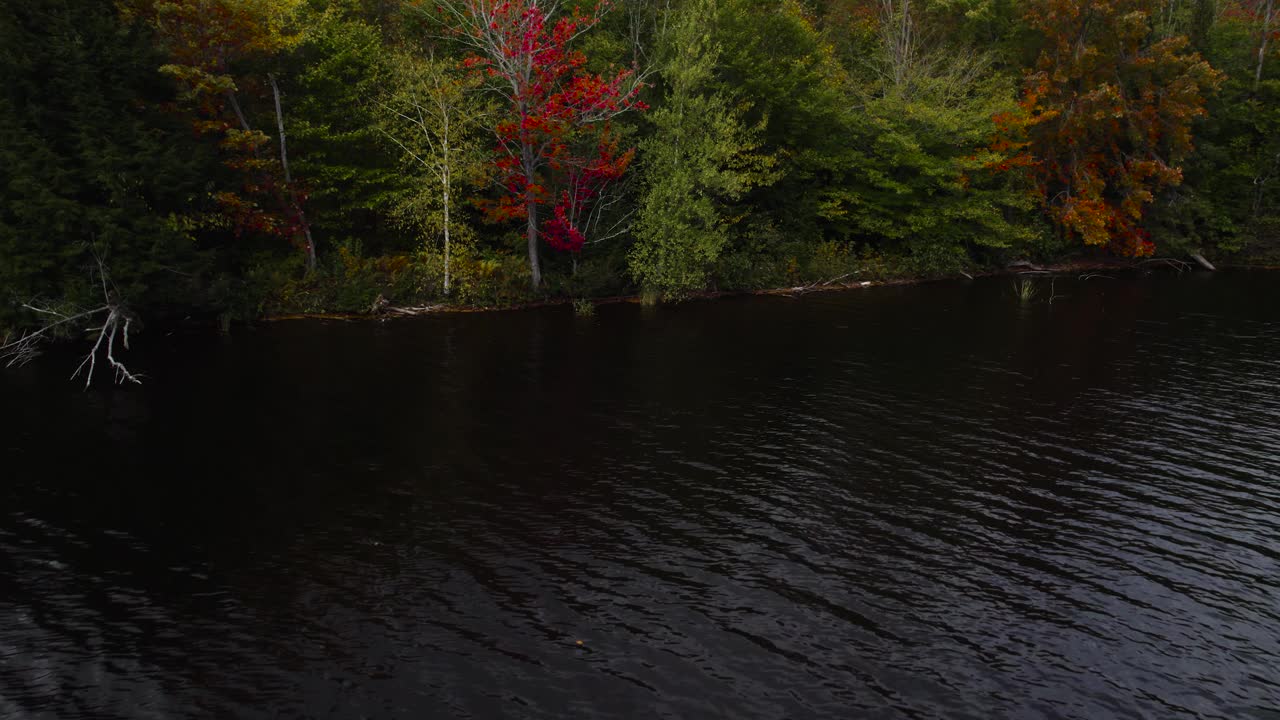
x: 1025, y: 290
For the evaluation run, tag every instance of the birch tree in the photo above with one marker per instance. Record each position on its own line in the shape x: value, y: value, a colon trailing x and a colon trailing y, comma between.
x: 432, y: 114
x: 1266, y: 13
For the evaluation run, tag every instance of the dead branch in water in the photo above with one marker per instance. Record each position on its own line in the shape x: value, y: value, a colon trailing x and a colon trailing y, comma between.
x: 1053, y: 291
x: 116, y: 324
x: 1178, y: 265
x: 26, y: 348
x: 419, y: 310
x: 802, y: 289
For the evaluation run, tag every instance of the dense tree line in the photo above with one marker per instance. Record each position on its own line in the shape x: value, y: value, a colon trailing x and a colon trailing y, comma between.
x: 236, y: 157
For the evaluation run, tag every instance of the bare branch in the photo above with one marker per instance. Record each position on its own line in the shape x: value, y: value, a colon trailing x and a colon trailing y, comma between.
x: 118, y: 321
x: 26, y: 348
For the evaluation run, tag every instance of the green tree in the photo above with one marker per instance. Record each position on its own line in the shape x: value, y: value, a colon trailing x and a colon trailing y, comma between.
x: 1229, y: 203
x: 333, y: 77
x: 775, y: 58
x: 433, y: 113
x: 701, y: 158
x: 92, y: 166
x: 929, y: 182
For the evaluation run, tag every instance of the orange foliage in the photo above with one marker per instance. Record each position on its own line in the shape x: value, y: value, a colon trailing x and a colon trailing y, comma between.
x: 1106, y: 117
x: 205, y: 40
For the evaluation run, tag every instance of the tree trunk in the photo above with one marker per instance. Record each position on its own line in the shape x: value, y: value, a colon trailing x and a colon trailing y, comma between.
x: 896, y: 30
x: 244, y: 122
x: 531, y: 208
x: 1268, y: 13
x: 446, y: 229
x: 288, y: 181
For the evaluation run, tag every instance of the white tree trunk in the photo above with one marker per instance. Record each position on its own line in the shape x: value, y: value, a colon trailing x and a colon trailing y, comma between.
x: 531, y: 209
x: 1268, y: 14
x: 531, y: 231
x: 288, y: 181
x: 446, y: 231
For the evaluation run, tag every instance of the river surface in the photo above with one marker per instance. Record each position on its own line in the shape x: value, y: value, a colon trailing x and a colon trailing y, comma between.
x: 914, y: 502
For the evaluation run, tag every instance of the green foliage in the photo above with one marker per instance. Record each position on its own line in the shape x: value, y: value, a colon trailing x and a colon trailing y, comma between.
x: 91, y: 162
x: 700, y: 158
x: 788, y: 143
x: 1025, y: 290
x: 995, y: 26
x: 489, y: 279
x: 348, y: 168
x: 1229, y: 203
x: 775, y: 58
x: 431, y: 112
x: 600, y: 272
x: 346, y: 281
x: 349, y: 281
x: 927, y: 179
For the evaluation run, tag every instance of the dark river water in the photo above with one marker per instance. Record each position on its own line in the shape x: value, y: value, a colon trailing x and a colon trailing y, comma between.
x: 917, y: 502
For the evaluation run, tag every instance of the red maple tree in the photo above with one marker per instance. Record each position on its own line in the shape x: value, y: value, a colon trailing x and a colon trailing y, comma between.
x: 554, y: 146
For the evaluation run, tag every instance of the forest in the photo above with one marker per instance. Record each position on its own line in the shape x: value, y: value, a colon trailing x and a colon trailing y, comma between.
x: 234, y: 159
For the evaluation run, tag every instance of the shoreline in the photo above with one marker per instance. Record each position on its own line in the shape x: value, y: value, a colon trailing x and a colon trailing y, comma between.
x: 388, y: 312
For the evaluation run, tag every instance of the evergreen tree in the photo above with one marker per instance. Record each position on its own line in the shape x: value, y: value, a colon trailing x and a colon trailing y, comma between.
x: 94, y: 169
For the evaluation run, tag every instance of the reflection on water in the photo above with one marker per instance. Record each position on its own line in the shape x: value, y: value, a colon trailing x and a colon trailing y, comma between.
x: 901, y: 502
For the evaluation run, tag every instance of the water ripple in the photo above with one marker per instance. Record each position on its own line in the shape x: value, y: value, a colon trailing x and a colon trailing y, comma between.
x: 906, y: 503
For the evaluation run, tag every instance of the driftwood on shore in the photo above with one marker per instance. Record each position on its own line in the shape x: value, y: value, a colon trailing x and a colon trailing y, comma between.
x: 818, y: 285
x: 1203, y: 263
x: 413, y: 310
x: 382, y: 306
